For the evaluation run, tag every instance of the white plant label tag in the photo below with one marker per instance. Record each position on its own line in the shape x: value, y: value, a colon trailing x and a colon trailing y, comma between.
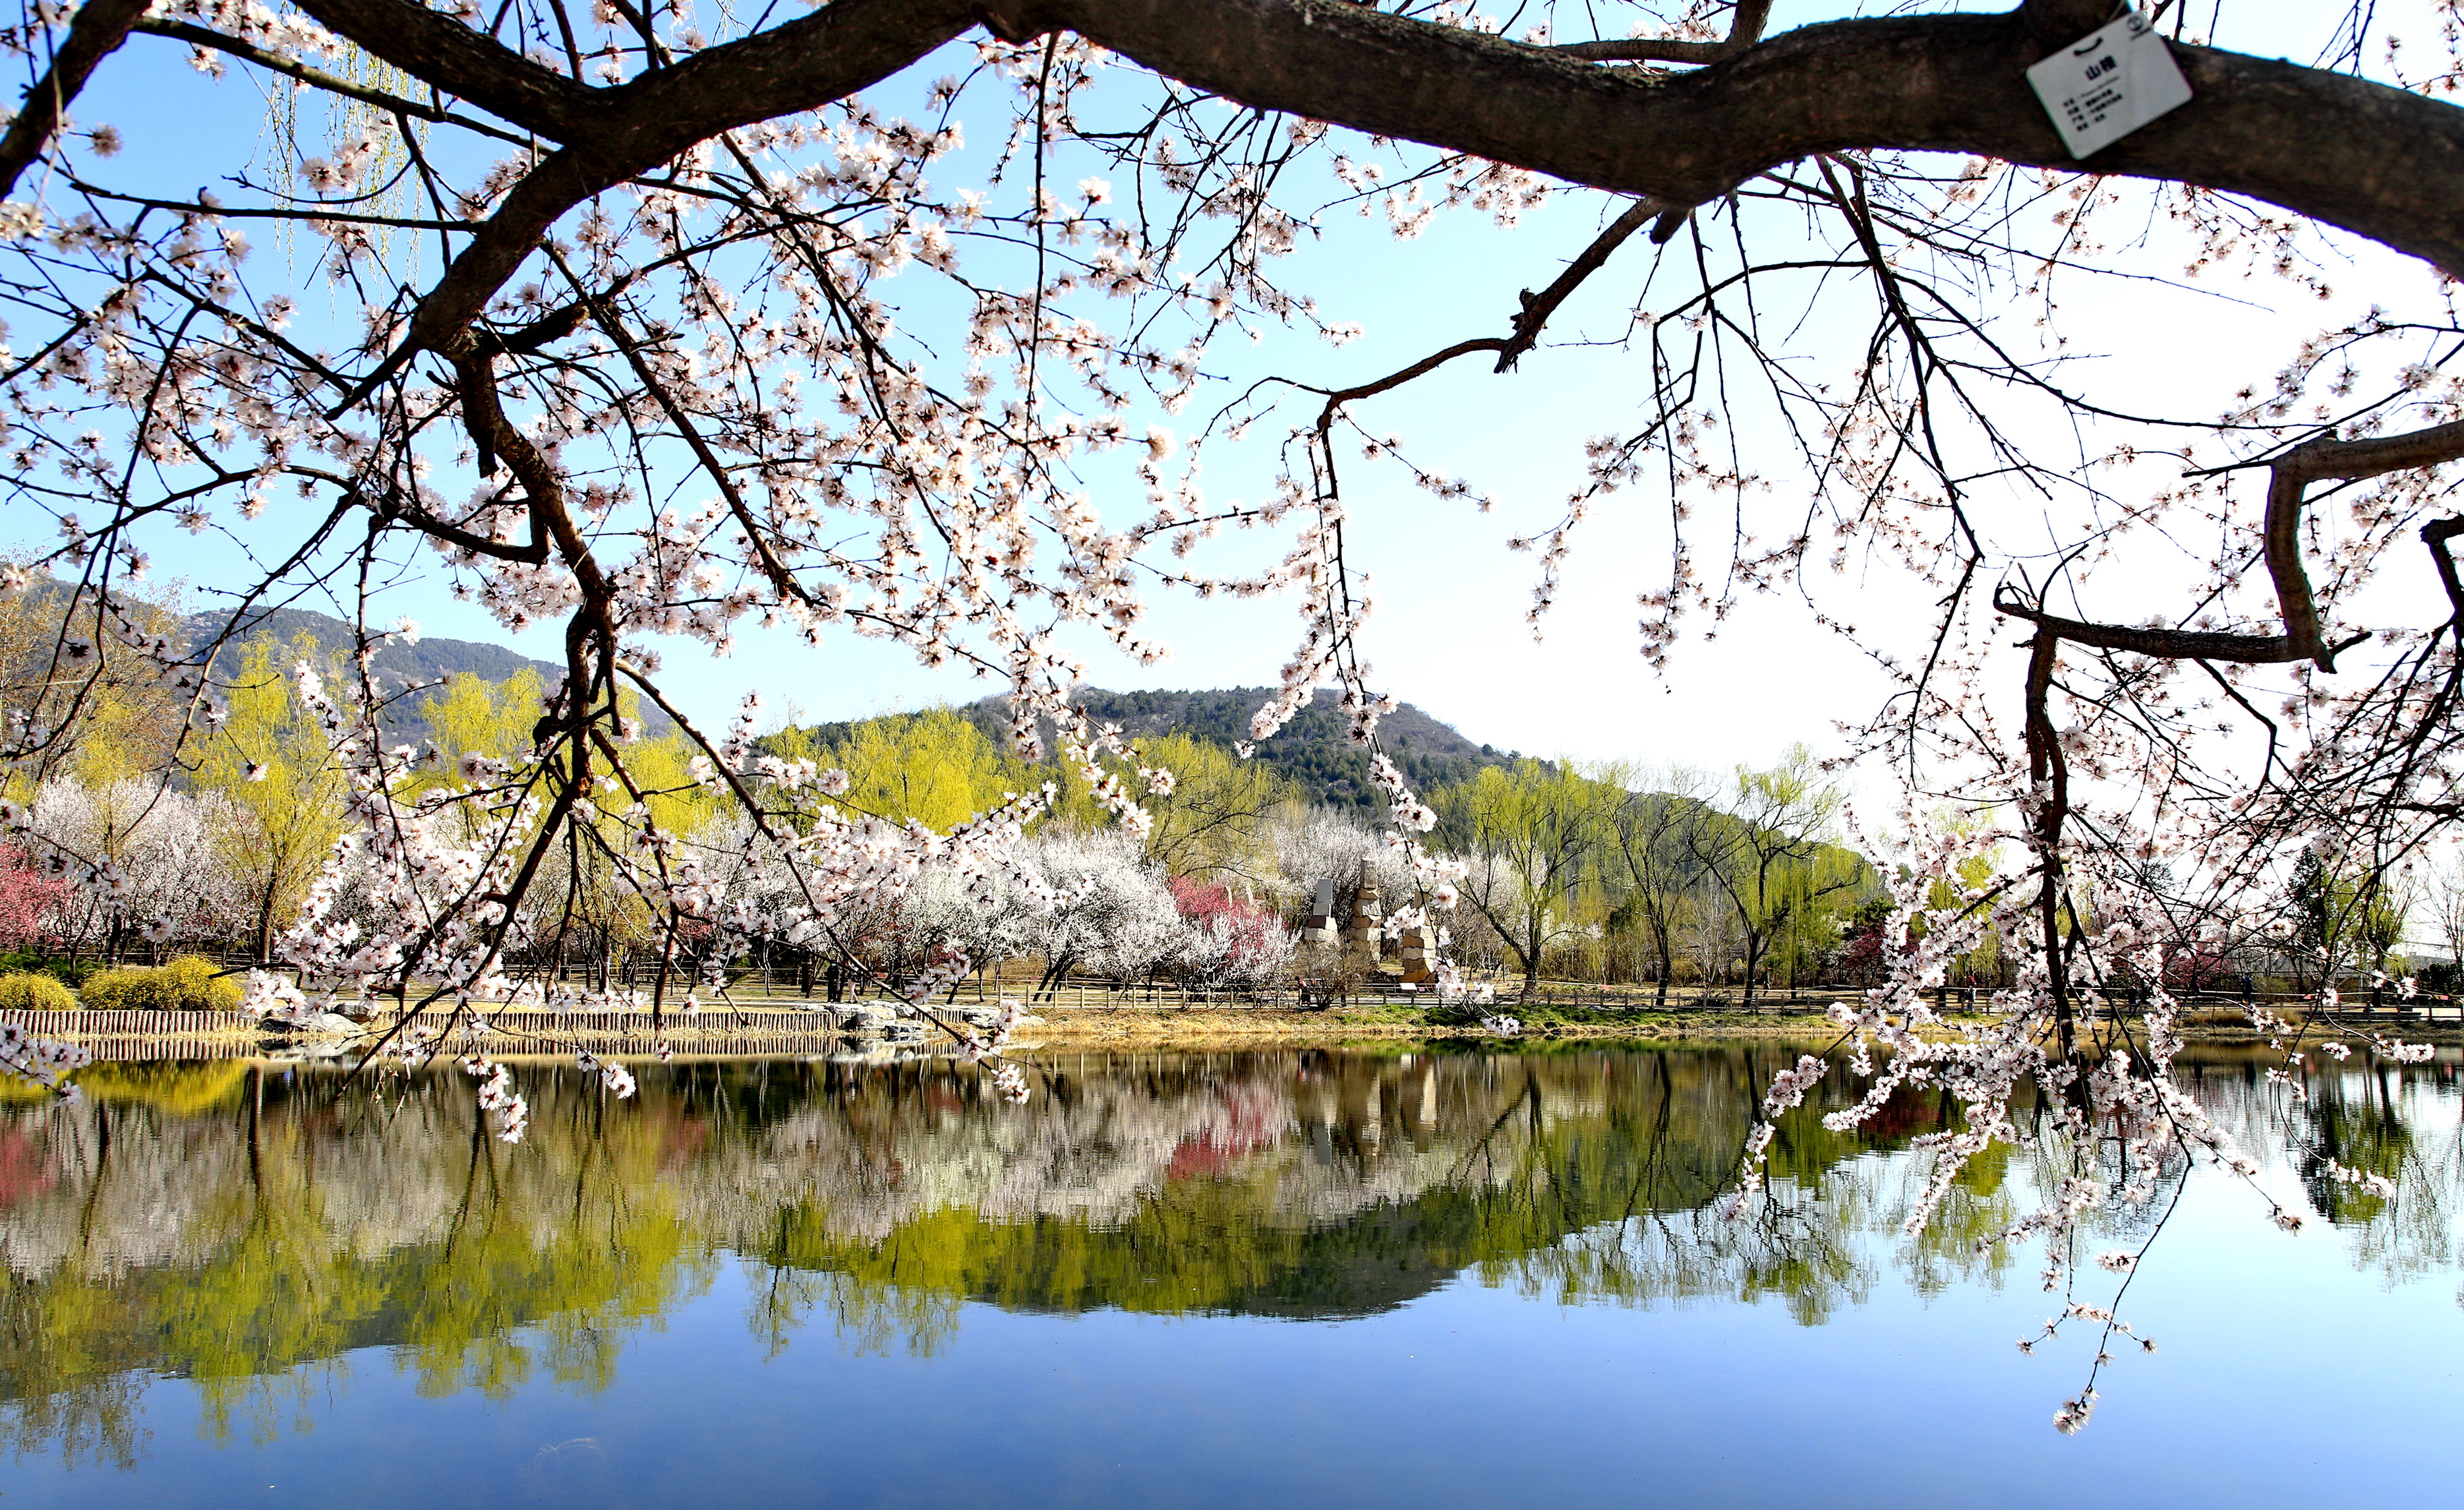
x: 2108, y: 84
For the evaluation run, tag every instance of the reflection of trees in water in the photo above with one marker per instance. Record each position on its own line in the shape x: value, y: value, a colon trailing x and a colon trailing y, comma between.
x: 248, y: 1249
x: 2406, y: 1125
x: 250, y: 1230
x: 1811, y: 1243
x: 2404, y: 1128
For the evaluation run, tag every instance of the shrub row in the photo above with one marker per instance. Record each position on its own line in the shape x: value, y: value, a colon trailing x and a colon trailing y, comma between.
x: 188, y: 984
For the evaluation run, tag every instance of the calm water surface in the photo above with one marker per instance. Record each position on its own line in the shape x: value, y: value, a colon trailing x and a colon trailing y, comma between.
x: 1273, y: 1279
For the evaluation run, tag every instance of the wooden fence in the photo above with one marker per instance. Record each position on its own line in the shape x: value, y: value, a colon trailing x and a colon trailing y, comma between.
x: 134, y: 1024
x: 212, y: 1035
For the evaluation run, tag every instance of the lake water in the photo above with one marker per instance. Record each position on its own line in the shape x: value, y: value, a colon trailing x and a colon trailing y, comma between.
x: 1285, y: 1278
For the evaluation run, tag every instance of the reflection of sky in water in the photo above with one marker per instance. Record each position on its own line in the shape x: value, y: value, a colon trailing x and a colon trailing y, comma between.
x: 1178, y: 1279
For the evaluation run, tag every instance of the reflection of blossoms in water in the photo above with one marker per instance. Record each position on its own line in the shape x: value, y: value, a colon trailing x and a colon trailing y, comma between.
x: 881, y: 1197
x: 23, y: 1172
x: 1258, y: 1120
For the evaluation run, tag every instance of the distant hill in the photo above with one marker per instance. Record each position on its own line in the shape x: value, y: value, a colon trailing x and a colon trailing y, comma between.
x: 1313, y: 751
x: 396, y: 664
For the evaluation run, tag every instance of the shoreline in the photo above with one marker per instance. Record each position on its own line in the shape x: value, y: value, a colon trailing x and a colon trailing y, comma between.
x: 1126, y: 1028
x: 1145, y: 1028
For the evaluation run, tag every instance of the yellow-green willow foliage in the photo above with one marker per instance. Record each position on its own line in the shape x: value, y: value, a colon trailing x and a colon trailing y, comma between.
x: 270, y: 763
x: 474, y: 715
x: 1972, y: 875
x: 934, y: 767
x: 1536, y: 837
x: 585, y: 902
x: 1778, y: 864
x: 119, y: 719
x: 1215, y: 822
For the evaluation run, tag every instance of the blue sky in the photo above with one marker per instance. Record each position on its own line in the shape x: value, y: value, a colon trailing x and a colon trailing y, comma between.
x: 1449, y: 634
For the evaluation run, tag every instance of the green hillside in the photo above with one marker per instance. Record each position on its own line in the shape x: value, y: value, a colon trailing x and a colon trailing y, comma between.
x: 1313, y: 751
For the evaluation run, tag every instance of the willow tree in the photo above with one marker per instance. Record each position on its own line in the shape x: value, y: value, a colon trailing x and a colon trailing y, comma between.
x: 1774, y: 862
x: 657, y: 328
x: 934, y: 767
x: 1211, y: 822
x: 270, y: 761
x: 1651, y: 842
x: 1534, y: 839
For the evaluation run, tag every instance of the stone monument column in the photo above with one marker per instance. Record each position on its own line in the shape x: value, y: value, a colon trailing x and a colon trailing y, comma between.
x: 1320, y: 927
x: 1361, y: 938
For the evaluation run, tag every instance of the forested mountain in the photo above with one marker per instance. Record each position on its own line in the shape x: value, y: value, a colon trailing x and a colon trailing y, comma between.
x: 1313, y: 751
x: 396, y: 662
x: 30, y: 631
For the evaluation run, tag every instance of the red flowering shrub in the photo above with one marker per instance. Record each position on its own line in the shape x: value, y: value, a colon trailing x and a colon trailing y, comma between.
x: 28, y: 899
x: 1250, y: 931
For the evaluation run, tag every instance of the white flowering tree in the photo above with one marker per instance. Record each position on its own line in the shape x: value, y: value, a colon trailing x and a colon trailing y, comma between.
x: 166, y: 881
x: 652, y: 324
x: 1098, y: 904
x: 941, y: 912
x: 1314, y: 844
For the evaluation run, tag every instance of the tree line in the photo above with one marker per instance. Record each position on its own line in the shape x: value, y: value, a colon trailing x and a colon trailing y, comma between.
x: 1610, y: 872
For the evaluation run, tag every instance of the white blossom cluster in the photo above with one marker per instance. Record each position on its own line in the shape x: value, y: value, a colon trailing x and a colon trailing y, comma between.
x: 509, y: 1115
x: 41, y: 1061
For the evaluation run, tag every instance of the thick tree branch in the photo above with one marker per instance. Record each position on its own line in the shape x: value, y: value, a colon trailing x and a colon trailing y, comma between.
x: 2377, y: 161
x: 2327, y: 459
x: 2058, y: 23
x: 440, y: 51
x: 833, y: 52
x: 100, y: 27
x: 2380, y: 162
x: 2435, y: 535
x: 1745, y: 29
x: 2290, y: 475
x: 2168, y: 644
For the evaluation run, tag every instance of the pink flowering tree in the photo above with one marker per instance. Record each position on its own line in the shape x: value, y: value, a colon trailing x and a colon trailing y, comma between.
x: 1235, y: 942
x: 30, y: 898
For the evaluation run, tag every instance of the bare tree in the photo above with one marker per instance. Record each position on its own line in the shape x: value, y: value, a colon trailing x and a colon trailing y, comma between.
x: 2442, y: 896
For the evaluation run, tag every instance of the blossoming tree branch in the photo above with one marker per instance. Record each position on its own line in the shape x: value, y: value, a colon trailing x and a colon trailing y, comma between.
x: 652, y: 326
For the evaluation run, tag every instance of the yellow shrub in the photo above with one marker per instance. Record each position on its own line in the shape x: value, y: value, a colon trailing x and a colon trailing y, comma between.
x: 188, y: 984
x: 26, y: 992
